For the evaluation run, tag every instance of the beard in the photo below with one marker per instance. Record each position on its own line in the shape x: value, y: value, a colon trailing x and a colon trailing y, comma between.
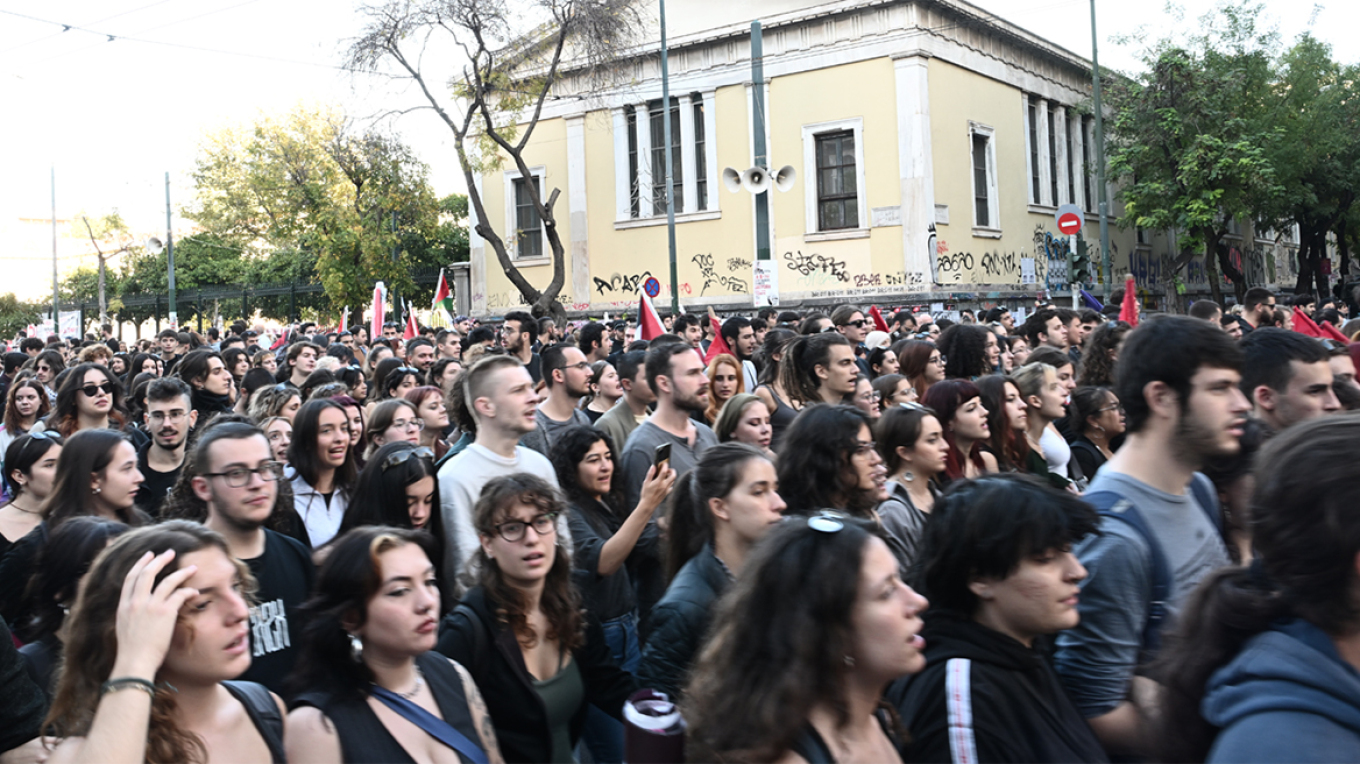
x: 691, y: 403
x: 1196, y: 442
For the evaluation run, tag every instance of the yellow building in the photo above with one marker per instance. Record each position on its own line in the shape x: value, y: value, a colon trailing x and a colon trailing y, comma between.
x: 932, y: 143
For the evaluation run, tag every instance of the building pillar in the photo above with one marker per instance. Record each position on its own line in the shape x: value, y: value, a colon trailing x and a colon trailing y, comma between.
x: 916, y: 168
x: 579, y: 250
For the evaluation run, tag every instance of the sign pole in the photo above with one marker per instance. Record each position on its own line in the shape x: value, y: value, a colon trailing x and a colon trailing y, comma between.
x: 1076, y: 285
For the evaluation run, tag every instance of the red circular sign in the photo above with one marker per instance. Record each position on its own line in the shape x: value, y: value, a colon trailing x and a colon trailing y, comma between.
x: 1069, y: 223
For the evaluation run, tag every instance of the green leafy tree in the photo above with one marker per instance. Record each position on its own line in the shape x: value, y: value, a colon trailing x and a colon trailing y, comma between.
x: 1192, y: 137
x: 16, y: 315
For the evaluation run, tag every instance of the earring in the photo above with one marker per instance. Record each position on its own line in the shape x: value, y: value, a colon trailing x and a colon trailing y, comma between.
x: 356, y: 648
x: 96, y: 490
x: 908, y: 476
x: 850, y: 661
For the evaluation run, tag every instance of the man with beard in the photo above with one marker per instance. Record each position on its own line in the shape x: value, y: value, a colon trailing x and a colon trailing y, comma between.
x: 420, y: 354
x: 234, y: 475
x: 1159, y: 535
x: 676, y: 375
x: 567, y: 381
x: 169, y: 418
x: 740, y: 335
x: 518, y: 332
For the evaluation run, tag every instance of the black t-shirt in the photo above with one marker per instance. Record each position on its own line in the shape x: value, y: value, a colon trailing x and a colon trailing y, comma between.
x: 155, y: 485
x: 283, y: 575
x: 535, y: 367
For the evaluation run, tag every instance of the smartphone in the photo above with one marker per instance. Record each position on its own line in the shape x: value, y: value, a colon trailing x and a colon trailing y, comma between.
x: 662, y: 458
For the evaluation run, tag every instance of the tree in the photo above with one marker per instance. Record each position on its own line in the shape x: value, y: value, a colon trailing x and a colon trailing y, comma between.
x: 508, y: 72
x: 15, y: 316
x: 112, y: 227
x: 1191, y: 138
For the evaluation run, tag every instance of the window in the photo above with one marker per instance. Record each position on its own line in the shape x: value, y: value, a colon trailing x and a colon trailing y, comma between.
x: 634, y: 192
x: 700, y: 156
x: 1052, y: 158
x: 1086, y: 166
x: 1034, y: 197
x: 528, y: 225
x: 1071, y: 160
x: 659, y: 157
x: 837, y: 198
x: 986, y: 207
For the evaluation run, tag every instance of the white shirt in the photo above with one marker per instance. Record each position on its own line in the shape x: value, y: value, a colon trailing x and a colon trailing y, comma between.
x: 1056, y: 451
x: 322, y: 520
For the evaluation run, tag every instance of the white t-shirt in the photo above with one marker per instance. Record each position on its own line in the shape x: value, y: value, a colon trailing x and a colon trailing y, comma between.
x: 461, y: 480
x: 1056, y: 451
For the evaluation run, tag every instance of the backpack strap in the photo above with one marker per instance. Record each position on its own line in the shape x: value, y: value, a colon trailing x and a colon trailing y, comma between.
x: 1116, y: 507
x: 1206, y: 496
x: 478, y: 629
x: 263, y: 711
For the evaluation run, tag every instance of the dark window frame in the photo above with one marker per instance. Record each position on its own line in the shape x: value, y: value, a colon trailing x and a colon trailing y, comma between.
x: 528, y: 238
x: 846, y: 201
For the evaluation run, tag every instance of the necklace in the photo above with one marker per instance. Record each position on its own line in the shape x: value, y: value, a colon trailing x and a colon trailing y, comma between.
x: 420, y: 682
x: 25, y: 511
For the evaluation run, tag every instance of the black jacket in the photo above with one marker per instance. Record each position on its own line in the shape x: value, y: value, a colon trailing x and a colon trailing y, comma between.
x: 487, y: 649
x: 680, y: 623
x: 985, y: 696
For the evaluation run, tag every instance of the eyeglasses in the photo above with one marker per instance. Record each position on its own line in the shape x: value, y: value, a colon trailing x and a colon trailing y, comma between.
x: 406, y: 455
x: 93, y: 390
x: 419, y: 424
x: 864, y: 447
x: 859, y: 324
x: 941, y: 360
x: 161, y: 416
x: 55, y: 437
x: 513, y: 530
x: 239, y: 477
x: 582, y: 366
x: 1116, y: 407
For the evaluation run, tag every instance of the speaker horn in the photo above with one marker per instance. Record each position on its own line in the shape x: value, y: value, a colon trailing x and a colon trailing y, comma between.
x: 155, y: 246
x: 783, y: 180
x: 731, y: 179
x: 756, y: 180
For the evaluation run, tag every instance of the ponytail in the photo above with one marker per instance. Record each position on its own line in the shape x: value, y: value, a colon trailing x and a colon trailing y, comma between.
x: 1230, y: 607
x: 690, y: 521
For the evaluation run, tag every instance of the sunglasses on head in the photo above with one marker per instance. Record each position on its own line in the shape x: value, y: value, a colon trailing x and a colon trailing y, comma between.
x: 401, y: 457
x: 93, y: 390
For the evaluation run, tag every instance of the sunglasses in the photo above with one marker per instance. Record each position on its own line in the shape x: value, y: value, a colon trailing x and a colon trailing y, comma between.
x: 93, y: 390
x: 405, y: 456
x: 857, y: 324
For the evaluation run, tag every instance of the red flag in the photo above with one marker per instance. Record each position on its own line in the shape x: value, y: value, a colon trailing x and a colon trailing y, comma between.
x: 649, y: 323
x: 1129, y: 310
x: 719, y: 345
x: 344, y: 320
x: 412, y: 329
x: 879, y: 323
x: 379, y: 311
x: 1331, y: 331
x: 1304, y: 325
x: 283, y: 339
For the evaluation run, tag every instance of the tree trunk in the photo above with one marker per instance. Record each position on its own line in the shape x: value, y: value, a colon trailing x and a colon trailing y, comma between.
x: 1308, y: 261
x: 1210, y: 265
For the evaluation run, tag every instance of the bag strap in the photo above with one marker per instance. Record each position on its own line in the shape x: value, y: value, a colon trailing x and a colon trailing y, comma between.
x: 1114, y: 506
x: 434, y: 726
x: 479, y: 646
x: 259, y: 702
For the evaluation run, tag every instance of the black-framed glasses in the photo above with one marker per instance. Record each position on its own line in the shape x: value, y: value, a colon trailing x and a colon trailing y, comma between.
x: 404, y: 456
x: 858, y: 324
x: 514, y: 530
x: 93, y: 390
x: 239, y: 477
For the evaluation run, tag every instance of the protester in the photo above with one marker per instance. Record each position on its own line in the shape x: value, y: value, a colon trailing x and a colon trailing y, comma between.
x: 169, y: 417
x: 500, y: 396
x: 812, y: 632
x: 865, y: 398
x: 1007, y: 419
x: 1178, y: 383
x: 280, y: 433
x: 725, y: 380
x: 90, y: 398
x: 276, y: 400
x: 631, y: 410
x: 1101, y: 355
x: 1234, y: 481
x: 1287, y: 377
x: 566, y: 376
x: 829, y: 462
x: 819, y: 368
x: 433, y: 415
x: 1045, y: 327
x: 1095, y: 419
x: 207, y: 374
x: 915, y: 453
x: 46, y: 367
x: 771, y: 388
x: 25, y: 404
x: 320, y: 468
x: 717, y: 513
x: 957, y: 403
x: 893, y: 390
x: 158, y: 630
x: 392, y: 421
x: 605, y: 390
x: 30, y: 472
x: 745, y: 419
x: 920, y: 362
x: 299, y: 362
x: 538, y: 659
x: 367, y: 660
x: 399, y: 488
x: 969, y: 351
x: 881, y: 359
x: 681, y: 390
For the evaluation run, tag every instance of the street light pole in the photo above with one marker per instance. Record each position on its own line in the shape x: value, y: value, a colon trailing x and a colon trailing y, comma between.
x: 56, y: 315
x: 1105, y: 264
x: 170, y: 253
x: 668, y: 172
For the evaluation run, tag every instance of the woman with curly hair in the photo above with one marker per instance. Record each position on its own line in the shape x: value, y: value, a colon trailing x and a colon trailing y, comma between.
x: 279, y: 399
x: 970, y: 351
x: 160, y: 628
x: 90, y: 398
x: 25, y: 404
x: 1101, y: 353
x: 829, y: 462
x: 816, y: 626
x: 538, y: 659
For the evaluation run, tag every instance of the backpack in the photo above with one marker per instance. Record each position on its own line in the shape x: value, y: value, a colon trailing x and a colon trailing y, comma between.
x: 1114, y: 506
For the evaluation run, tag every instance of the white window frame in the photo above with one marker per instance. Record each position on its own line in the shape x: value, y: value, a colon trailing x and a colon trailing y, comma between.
x: 810, y: 132
x: 992, y: 231
x: 512, y: 236
x: 623, y: 181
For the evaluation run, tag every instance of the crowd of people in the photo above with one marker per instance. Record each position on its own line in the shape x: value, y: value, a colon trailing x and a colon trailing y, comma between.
x: 824, y: 536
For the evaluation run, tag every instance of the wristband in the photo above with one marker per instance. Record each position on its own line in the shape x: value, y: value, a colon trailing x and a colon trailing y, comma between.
x: 126, y: 682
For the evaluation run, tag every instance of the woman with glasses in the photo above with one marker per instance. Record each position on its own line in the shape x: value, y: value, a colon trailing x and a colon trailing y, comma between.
x: 866, y: 398
x: 46, y: 367
x: 279, y: 399
x: 539, y: 661
x: 829, y: 462
x: 392, y: 422
x: 321, y: 470
x: 893, y: 390
x: 369, y: 687
x: 915, y: 453
x: 25, y: 404
x: 717, y: 513
x: 30, y: 470
x: 815, y: 627
x: 920, y: 362
x: 1096, y: 419
x: 434, y: 418
x: 91, y: 398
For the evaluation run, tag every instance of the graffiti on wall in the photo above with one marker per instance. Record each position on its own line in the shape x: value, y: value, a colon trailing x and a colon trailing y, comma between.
x: 621, y: 282
x: 713, y: 278
x: 814, y: 263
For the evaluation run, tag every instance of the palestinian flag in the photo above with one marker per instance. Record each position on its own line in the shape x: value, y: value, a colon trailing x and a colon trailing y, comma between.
x: 443, y: 296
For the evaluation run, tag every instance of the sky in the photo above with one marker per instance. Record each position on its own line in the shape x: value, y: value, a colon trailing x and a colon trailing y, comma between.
x: 112, y: 117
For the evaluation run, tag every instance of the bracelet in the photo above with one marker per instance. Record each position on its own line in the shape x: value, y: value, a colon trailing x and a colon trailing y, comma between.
x: 123, y: 683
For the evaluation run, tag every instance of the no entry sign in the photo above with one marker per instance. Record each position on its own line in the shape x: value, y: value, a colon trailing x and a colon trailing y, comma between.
x: 1069, y: 219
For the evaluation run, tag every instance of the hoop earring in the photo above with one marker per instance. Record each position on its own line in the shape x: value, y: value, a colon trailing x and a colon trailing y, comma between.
x: 356, y: 648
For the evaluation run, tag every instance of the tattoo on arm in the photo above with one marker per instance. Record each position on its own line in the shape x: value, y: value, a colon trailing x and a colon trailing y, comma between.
x: 486, y: 729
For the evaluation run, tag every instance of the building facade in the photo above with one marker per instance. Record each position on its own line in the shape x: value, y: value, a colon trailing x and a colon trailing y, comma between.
x: 932, y: 144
